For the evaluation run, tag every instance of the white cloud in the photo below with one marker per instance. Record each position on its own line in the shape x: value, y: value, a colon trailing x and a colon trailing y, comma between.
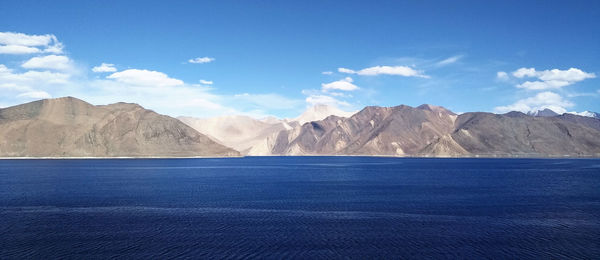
x: 10, y: 38
x: 28, y: 84
x: 343, y: 84
x: 52, y: 76
x: 201, y: 60
x: 56, y: 49
x: 524, y: 72
x: 32, y: 78
x: 325, y: 100
x: 104, y: 67
x: 449, y: 61
x: 326, y: 72
x: 541, y: 101
x: 386, y: 70
x: 572, y: 74
x: 20, y: 43
x: 344, y: 70
x: 550, y: 79
x: 339, y: 94
x: 501, y: 75
x: 175, y: 100
x: 147, y: 88
x: 206, y: 82
x: 35, y: 95
x: 582, y: 94
x: 4, y: 69
x: 541, y: 85
x: 52, y: 62
x: 6, y: 87
x: 145, y: 78
x: 202, y: 102
x: 18, y: 49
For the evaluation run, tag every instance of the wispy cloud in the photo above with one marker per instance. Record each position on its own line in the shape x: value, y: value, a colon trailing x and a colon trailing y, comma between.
x: 325, y: 100
x: 449, y: 60
x: 29, y: 85
x: 266, y: 101
x: 583, y: 94
x: 104, y: 67
x: 501, y: 75
x: 201, y: 60
x: 206, y: 82
x: 35, y: 95
x: 404, y: 71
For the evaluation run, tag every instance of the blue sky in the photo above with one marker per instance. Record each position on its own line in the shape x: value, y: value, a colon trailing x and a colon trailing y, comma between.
x: 278, y: 57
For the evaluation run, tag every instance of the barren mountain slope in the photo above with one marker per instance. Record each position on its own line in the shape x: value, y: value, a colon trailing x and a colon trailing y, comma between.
x: 69, y: 127
x: 517, y: 134
x: 400, y: 130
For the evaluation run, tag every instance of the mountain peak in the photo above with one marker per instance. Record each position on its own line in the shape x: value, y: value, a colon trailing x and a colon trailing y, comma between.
x: 64, y: 100
x: 515, y: 114
x: 586, y: 114
x: 433, y: 108
x: 546, y: 112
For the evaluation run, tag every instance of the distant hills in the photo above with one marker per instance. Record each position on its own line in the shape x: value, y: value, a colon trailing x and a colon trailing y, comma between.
x: 426, y: 130
x: 241, y: 133
x: 247, y: 134
x: 68, y: 127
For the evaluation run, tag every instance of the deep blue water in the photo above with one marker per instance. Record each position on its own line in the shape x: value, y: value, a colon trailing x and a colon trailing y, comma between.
x: 300, y: 207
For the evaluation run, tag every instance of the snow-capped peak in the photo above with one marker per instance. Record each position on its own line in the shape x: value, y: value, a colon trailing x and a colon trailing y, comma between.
x: 586, y: 113
x: 546, y: 112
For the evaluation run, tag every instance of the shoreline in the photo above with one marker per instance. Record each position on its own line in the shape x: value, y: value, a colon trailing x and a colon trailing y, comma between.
x: 258, y: 156
x: 117, y: 157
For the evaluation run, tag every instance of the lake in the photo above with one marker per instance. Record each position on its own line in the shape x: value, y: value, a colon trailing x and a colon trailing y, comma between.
x: 300, y: 207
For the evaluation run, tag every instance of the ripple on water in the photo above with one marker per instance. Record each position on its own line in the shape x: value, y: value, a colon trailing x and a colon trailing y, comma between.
x: 290, y: 207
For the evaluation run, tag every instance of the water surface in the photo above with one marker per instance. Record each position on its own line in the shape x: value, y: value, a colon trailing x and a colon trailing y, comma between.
x: 300, y: 207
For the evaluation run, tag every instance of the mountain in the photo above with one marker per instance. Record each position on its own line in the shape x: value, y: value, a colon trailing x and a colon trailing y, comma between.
x: 238, y: 132
x: 549, y: 113
x: 435, y: 131
x: 320, y: 112
x: 588, y: 121
x: 397, y: 131
x: 69, y: 127
x: 587, y: 114
x: 543, y: 113
x: 517, y: 134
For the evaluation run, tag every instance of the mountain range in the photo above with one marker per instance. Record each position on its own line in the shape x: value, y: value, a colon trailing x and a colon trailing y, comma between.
x: 429, y: 130
x: 69, y: 127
